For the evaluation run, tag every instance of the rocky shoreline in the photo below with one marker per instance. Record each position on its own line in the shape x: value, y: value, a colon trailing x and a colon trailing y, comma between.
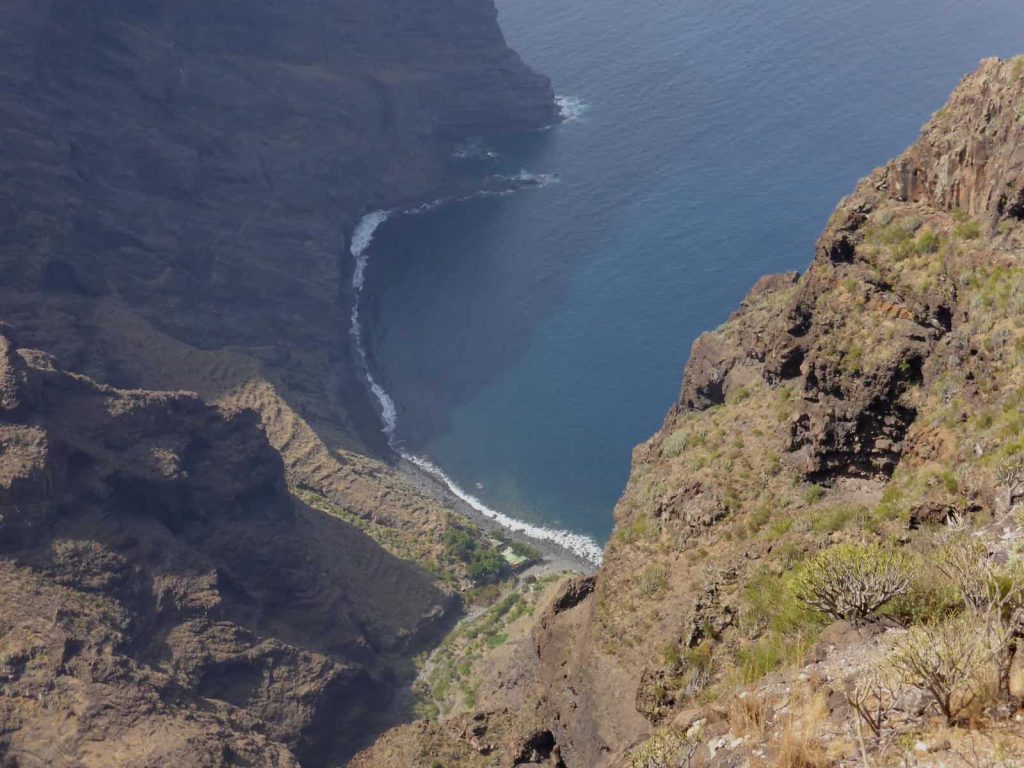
x: 555, y: 558
x: 363, y: 413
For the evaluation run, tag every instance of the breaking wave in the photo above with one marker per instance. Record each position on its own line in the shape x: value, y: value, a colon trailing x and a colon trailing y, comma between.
x: 362, y: 237
x: 571, y: 108
x: 577, y: 543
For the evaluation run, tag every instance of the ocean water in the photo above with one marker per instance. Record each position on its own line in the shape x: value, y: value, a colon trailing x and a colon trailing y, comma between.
x: 527, y: 342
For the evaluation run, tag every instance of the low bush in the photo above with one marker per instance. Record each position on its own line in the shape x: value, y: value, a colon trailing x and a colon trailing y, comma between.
x: 927, y: 241
x: 769, y: 652
x: 983, y: 584
x: 667, y: 748
x: 929, y: 597
x: 852, y: 581
x: 651, y: 580
x: 814, y: 494
x: 966, y: 228
x: 675, y: 443
x: 640, y: 528
x: 874, y: 696
x: 835, y: 518
x: 955, y: 661
x: 770, y: 605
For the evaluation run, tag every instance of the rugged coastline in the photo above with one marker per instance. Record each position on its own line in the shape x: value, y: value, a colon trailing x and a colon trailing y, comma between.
x: 182, y: 179
x: 211, y: 556
x: 562, y: 550
x: 864, y: 412
x: 554, y: 558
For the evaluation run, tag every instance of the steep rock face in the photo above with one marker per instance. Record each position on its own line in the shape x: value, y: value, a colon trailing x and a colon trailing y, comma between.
x: 818, y: 394
x: 164, y: 598
x: 203, y: 163
x: 879, y: 393
x: 969, y: 157
x: 179, y: 180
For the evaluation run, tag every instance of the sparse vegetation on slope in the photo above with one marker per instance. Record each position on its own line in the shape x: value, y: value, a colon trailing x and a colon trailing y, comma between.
x: 846, y: 448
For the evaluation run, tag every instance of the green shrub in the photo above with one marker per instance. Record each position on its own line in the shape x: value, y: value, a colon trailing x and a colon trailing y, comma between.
x: 771, y: 605
x: 772, y: 651
x: 651, y: 580
x: 676, y: 443
x: 759, y: 518
x: 928, y: 598
x: 851, y: 359
x: 483, y: 562
x: 852, y: 581
x: 671, y: 657
x: 737, y: 395
x: 928, y: 241
x: 981, y: 583
x: 1018, y: 67
x: 967, y: 229
x: 814, y: 494
x: 493, y: 641
x: 633, y: 532
x: 779, y: 527
x: 834, y: 518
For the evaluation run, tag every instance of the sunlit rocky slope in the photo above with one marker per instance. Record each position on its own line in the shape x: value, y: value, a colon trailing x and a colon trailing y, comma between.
x: 862, y: 418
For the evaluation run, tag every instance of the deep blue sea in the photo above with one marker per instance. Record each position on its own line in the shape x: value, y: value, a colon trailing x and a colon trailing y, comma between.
x: 530, y: 341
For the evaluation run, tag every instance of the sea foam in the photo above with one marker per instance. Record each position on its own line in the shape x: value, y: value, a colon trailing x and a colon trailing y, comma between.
x: 527, y: 179
x: 571, y: 108
x: 362, y: 237
x: 580, y: 545
x: 474, y: 149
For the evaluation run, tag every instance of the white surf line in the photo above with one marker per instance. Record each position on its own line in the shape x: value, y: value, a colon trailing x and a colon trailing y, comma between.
x: 579, y: 544
x: 362, y: 236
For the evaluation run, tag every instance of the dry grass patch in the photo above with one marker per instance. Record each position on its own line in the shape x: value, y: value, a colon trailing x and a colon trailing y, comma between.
x: 800, y: 744
x: 748, y: 716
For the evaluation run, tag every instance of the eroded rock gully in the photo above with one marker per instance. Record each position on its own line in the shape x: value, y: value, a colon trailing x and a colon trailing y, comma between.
x: 166, y: 599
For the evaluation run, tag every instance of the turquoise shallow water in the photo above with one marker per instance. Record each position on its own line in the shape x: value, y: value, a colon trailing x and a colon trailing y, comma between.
x: 530, y: 341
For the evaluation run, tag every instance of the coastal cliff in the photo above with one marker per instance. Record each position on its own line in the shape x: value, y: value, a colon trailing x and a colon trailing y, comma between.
x: 232, y: 574
x: 200, y: 168
x: 872, y: 406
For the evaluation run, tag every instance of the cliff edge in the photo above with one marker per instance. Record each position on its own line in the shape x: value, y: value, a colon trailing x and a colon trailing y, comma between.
x: 869, y: 409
